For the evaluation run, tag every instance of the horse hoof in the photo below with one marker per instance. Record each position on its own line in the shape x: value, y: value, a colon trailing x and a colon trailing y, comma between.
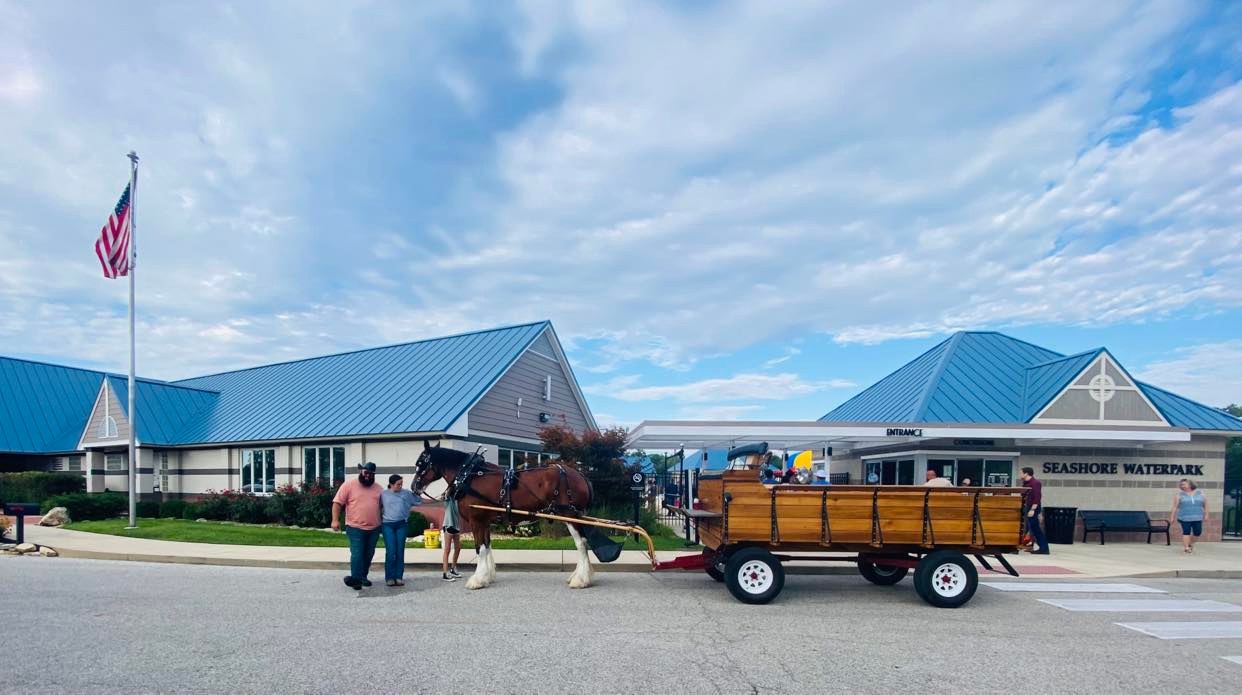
x: 474, y: 583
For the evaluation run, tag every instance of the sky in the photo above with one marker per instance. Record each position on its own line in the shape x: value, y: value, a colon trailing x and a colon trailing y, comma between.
x: 727, y: 210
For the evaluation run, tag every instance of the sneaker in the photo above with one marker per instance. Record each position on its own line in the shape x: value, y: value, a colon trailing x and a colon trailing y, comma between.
x: 391, y: 582
x: 398, y: 582
x: 453, y: 571
x: 448, y: 578
x: 365, y: 582
x: 353, y: 583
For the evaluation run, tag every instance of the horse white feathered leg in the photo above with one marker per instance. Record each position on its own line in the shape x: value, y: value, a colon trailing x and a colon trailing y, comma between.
x: 582, y: 576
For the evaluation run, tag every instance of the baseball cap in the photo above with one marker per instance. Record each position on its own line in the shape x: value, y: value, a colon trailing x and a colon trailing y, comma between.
x: 368, y: 466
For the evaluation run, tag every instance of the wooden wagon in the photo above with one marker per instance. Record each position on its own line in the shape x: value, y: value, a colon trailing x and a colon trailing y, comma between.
x: 748, y: 528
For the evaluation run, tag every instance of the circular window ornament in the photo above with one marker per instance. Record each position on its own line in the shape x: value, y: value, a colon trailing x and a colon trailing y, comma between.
x: 1102, y: 388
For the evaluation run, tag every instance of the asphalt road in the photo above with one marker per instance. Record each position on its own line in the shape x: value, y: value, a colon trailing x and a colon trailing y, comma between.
x: 97, y: 626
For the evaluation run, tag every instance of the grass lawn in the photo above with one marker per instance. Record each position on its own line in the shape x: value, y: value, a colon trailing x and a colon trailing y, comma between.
x: 244, y: 534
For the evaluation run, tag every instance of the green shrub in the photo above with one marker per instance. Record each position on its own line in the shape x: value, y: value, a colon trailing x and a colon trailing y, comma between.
x: 191, y: 512
x: 214, y: 506
x: 247, y: 509
x: 417, y: 524
x: 282, y: 506
x: 172, y: 509
x: 90, y: 507
x: 148, y: 509
x: 315, y: 505
x: 37, y: 486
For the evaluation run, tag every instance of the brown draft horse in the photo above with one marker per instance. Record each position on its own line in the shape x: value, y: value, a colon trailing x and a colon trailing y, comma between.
x: 555, y: 488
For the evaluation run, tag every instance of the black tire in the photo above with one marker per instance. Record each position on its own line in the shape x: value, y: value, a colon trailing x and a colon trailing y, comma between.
x: 881, y: 575
x: 754, y: 575
x: 715, y: 568
x: 946, y: 579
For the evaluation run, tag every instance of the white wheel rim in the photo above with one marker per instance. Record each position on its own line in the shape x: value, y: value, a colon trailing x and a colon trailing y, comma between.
x: 948, y: 580
x: 755, y: 577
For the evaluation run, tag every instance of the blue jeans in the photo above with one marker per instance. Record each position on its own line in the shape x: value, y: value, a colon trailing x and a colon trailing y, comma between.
x: 1037, y: 532
x: 361, y: 550
x: 394, y: 549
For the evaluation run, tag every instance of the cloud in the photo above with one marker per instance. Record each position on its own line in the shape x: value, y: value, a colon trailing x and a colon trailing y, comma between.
x: 1210, y: 373
x: 790, y: 353
x: 718, y: 412
x: 739, y: 387
x: 665, y: 183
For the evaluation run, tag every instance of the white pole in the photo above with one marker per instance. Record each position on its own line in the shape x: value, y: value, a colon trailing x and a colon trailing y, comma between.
x: 133, y: 417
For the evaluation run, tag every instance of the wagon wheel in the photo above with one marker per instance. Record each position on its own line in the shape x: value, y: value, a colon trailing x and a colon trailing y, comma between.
x: 883, y: 575
x: 946, y: 579
x: 753, y: 575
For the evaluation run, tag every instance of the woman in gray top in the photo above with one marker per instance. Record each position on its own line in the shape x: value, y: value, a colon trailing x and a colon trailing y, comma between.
x: 1190, y: 509
x: 395, y: 504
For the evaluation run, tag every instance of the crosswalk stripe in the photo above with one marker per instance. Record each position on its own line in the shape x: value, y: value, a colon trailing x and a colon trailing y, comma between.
x: 1151, y: 605
x: 1073, y: 587
x: 1225, y: 629
x: 1234, y: 659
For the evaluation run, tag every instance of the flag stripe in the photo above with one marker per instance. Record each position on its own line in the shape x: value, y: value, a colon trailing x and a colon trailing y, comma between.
x: 113, y: 245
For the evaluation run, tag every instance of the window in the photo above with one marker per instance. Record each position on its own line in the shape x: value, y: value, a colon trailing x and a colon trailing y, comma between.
x: 521, y: 459
x: 74, y: 463
x: 890, y: 472
x: 258, y: 471
x: 162, y: 461
x: 998, y: 473
x: 323, y: 463
x: 114, y: 463
x: 547, y: 388
x: 107, y: 428
x: 58, y: 464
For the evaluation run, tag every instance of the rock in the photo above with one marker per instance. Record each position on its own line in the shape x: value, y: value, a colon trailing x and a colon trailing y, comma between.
x: 48, y: 552
x: 27, y: 548
x: 200, y: 521
x: 57, y: 516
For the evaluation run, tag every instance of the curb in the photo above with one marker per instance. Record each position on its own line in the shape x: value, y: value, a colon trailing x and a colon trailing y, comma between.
x: 629, y: 567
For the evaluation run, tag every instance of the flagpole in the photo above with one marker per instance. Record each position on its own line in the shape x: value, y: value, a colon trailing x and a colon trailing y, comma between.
x: 133, y: 417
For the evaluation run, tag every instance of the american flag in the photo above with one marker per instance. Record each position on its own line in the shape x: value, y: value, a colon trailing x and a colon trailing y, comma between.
x: 113, y: 245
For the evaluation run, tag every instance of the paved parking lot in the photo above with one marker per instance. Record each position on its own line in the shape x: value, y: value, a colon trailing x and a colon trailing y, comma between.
x: 102, y: 626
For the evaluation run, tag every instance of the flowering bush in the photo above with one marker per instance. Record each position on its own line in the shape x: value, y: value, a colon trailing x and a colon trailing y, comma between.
x: 307, y: 504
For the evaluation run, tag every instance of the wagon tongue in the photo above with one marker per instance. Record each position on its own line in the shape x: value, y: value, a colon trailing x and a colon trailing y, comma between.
x: 605, y: 548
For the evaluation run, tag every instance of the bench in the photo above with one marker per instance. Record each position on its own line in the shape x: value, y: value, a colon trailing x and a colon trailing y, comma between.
x: 1098, y: 521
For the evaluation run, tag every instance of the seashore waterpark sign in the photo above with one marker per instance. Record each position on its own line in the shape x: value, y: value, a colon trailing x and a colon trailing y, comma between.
x: 1085, y: 468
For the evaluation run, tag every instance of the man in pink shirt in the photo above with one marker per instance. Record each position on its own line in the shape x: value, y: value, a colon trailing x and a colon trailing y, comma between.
x: 360, y: 498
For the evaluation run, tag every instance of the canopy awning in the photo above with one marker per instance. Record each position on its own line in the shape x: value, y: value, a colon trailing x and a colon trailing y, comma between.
x: 790, y: 435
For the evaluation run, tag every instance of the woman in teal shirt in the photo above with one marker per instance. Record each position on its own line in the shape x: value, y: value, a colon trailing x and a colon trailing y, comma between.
x: 1190, y: 509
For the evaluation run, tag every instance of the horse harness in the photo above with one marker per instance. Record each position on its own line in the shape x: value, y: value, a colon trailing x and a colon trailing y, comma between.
x: 473, y: 468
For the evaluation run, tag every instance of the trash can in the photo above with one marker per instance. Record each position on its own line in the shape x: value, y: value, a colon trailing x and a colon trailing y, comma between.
x: 1059, y: 524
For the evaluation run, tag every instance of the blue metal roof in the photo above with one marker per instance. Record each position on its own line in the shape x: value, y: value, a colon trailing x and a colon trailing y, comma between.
x: 716, y: 459
x: 44, y: 407
x: 164, y: 410
x: 413, y: 387
x: 1045, y: 381
x: 989, y: 377
x: 898, y: 396
x: 1183, y: 412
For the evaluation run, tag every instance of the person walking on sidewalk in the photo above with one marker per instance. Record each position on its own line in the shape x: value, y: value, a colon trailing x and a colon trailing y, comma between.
x: 360, y: 498
x: 1035, y: 505
x: 396, y: 503
x: 451, y: 538
x: 1190, y: 509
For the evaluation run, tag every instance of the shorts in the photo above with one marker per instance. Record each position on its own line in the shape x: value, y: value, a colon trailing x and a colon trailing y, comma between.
x: 452, y: 530
x: 1192, y: 528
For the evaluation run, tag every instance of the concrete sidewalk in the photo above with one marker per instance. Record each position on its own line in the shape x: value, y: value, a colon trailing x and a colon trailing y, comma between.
x: 1221, y: 560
